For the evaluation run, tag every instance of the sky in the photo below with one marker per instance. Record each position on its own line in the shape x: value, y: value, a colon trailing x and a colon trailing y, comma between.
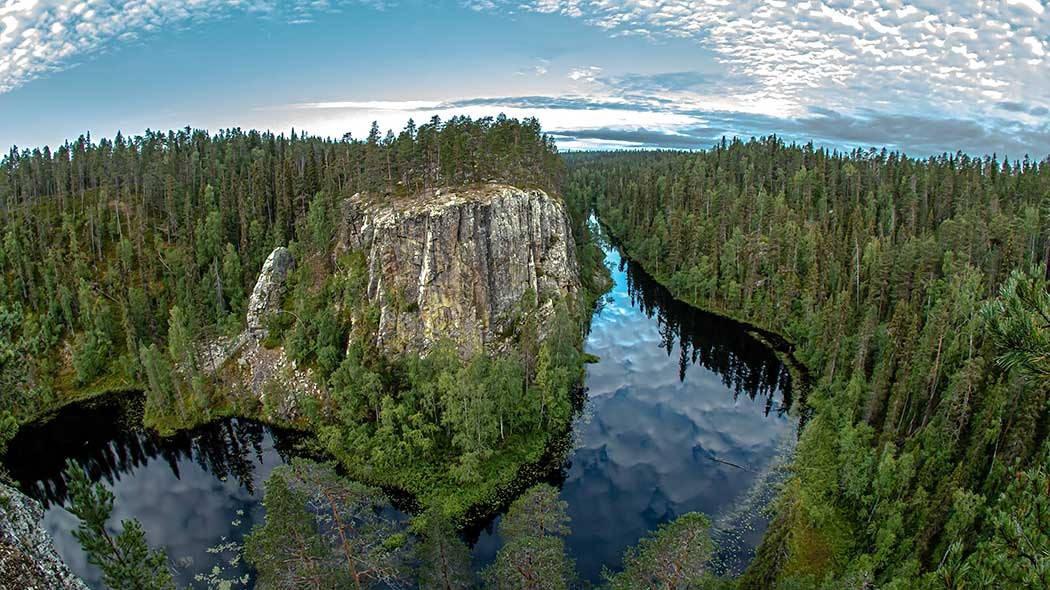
x: 923, y: 77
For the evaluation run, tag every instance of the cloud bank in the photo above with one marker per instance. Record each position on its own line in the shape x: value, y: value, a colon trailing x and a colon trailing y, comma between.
x: 633, y: 122
x: 962, y: 55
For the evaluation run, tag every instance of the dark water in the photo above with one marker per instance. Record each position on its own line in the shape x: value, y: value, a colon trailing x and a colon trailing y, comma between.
x: 685, y: 412
x: 191, y: 492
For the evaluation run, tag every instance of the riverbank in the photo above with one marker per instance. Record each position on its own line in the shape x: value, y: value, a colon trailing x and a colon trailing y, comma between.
x: 778, y: 343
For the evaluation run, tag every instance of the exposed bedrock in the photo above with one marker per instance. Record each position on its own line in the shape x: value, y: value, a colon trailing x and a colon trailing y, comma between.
x: 458, y: 263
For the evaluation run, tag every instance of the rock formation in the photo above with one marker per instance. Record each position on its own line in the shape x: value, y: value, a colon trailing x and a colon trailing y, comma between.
x: 266, y: 374
x: 456, y: 264
x: 269, y: 291
x: 28, y: 559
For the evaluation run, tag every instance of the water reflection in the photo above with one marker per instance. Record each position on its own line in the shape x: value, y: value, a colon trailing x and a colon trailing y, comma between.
x: 190, y: 491
x: 665, y: 429
x: 718, y: 344
x: 685, y: 411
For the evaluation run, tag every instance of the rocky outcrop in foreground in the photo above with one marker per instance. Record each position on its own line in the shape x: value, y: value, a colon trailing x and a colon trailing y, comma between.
x: 28, y: 560
x: 457, y: 263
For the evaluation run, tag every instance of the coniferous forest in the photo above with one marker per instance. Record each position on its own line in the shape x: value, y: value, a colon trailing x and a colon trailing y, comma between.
x: 913, y: 294
x: 113, y: 247
x: 120, y: 257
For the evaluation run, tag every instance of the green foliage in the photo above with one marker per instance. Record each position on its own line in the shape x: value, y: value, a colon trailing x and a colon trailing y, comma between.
x: 1020, y: 322
x: 323, y: 531
x: 8, y: 429
x: 538, y: 512
x: 100, y: 240
x: 91, y: 353
x: 533, y: 554
x: 287, y: 550
x: 451, y: 430
x: 160, y: 385
x: 673, y: 556
x: 1015, y: 553
x: 181, y: 339
x: 126, y: 561
x: 444, y: 559
x: 881, y: 270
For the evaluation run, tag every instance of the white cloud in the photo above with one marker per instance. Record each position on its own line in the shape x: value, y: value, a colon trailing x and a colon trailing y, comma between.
x: 336, y: 118
x: 587, y: 74
x: 41, y: 36
x: 1034, y: 5
x: 850, y: 53
x: 540, y: 68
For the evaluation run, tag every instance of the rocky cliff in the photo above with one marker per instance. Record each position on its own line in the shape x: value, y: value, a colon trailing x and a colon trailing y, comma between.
x: 28, y: 560
x: 459, y: 263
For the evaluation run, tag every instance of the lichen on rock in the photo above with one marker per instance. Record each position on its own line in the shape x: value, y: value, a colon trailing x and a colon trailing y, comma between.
x: 269, y: 291
x: 28, y: 560
x: 265, y: 374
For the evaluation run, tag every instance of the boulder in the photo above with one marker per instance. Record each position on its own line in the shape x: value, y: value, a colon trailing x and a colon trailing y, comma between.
x: 28, y: 560
x: 269, y: 291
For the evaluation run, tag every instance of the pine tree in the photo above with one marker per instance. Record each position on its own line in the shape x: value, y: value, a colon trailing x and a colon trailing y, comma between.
x: 675, y: 556
x: 126, y: 561
x: 533, y: 555
x: 444, y: 558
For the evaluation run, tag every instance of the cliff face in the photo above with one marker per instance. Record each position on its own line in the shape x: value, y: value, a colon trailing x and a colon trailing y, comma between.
x: 28, y: 559
x: 457, y: 263
x: 269, y: 291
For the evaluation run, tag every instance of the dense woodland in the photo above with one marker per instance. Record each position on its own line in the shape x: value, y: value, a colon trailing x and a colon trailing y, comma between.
x: 105, y: 244
x: 926, y: 461
x: 914, y: 291
x: 121, y: 257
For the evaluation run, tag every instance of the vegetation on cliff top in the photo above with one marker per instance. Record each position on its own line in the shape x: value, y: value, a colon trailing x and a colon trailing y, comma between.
x: 120, y: 257
x: 101, y: 242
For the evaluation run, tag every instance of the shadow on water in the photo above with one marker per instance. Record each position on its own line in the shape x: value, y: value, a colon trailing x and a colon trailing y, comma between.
x: 719, y: 344
x: 191, y: 491
x: 106, y: 439
x: 685, y: 411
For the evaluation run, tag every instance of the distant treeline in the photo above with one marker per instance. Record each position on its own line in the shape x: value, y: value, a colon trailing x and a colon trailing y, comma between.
x: 926, y: 461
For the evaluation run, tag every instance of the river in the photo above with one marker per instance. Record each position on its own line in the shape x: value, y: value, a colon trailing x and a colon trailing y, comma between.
x: 685, y: 411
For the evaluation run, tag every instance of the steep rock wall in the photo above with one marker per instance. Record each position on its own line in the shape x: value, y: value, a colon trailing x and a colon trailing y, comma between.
x: 456, y: 263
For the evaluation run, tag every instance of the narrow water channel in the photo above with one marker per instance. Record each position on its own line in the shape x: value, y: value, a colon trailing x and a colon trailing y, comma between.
x: 685, y: 411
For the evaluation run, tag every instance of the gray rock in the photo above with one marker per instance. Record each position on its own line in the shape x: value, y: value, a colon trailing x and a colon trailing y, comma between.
x: 269, y: 291
x: 266, y: 374
x: 456, y: 263
x: 28, y: 560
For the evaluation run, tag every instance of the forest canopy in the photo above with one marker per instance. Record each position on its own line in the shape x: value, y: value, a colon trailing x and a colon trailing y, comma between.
x: 915, y: 293
x: 105, y: 244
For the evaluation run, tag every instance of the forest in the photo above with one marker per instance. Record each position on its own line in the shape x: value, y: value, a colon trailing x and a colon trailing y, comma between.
x: 915, y: 293
x: 120, y: 257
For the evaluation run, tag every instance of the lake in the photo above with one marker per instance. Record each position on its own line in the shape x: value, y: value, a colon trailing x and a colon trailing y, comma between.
x: 685, y: 411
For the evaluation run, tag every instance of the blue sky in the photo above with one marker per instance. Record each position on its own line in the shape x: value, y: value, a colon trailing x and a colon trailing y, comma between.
x: 925, y: 77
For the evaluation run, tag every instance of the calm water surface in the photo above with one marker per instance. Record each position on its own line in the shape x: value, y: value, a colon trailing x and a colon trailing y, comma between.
x: 191, y: 492
x: 685, y: 412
